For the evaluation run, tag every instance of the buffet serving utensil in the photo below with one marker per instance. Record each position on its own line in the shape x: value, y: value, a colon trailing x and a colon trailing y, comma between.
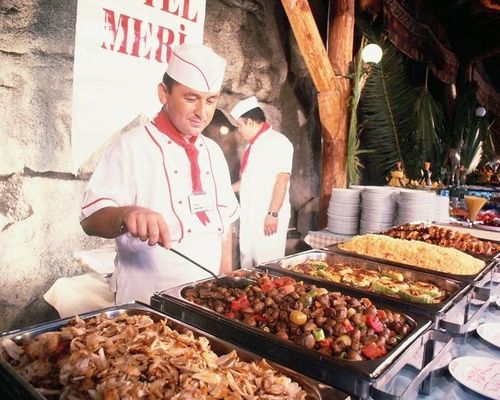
x: 225, y: 280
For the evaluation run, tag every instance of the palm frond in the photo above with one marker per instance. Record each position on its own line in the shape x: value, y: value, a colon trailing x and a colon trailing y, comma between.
x: 353, y: 162
x: 429, y: 125
x: 466, y: 126
x: 387, y: 105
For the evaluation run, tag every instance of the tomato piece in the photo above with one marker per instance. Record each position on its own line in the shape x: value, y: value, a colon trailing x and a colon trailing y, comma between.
x: 267, y: 286
x: 283, y: 280
x: 347, y: 325
x: 259, y: 317
x: 371, y: 351
x: 230, y: 315
x: 288, y: 288
x: 374, y: 323
x: 326, y: 343
x: 239, y: 303
x: 381, y: 314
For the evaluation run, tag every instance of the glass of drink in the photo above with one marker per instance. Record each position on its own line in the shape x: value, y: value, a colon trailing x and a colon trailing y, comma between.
x: 474, y: 205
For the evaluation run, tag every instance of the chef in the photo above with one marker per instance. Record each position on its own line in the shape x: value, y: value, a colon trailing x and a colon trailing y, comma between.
x: 166, y: 185
x: 265, y: 171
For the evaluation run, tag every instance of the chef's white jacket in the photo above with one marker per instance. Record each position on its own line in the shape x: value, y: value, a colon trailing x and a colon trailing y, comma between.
x: 144, y: 167
x: 270, y: 154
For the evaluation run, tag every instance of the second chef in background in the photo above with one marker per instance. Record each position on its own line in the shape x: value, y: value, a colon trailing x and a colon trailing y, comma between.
x: 264, y: 186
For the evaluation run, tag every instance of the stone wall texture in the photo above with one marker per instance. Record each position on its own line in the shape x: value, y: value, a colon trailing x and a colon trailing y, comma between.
x: 39, y: 195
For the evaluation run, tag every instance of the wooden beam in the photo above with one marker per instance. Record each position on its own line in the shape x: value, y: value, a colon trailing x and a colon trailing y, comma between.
x: 341, y: 36
x: 336, y: 124
x: 310, y: 44
x: 334, y: 91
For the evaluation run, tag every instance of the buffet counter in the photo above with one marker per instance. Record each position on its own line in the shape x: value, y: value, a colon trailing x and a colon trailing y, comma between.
x: 436, y: 336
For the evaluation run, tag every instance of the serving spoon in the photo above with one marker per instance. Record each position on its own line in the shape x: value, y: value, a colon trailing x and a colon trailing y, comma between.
x: 229, y: 281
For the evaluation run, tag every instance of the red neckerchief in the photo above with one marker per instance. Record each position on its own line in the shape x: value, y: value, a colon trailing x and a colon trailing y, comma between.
x: 244, y: 160
x: 162, y: 122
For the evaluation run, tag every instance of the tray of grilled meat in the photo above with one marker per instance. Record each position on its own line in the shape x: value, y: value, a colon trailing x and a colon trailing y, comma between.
x: 442, y: 236
x: 133, y: 351
x: 425, y: 293
x: 345, y: 341
x: 418, y: 255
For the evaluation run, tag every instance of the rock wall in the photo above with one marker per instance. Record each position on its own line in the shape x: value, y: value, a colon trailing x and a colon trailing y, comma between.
x: 40, y: 197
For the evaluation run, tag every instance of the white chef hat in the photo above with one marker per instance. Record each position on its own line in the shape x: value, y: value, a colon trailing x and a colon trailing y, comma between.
x: 197, y: 67
x: 243, y: 106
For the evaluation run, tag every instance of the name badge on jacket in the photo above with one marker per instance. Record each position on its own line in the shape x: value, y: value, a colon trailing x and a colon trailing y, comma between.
x: 199, y: 202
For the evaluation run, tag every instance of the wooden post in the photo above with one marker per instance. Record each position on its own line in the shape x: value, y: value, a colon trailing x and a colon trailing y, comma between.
x: 334, y: 91
x: 340, y: 49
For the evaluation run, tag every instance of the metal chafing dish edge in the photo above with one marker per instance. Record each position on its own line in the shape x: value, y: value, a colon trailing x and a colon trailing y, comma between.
x: 14, y: 386
x: 479, y: 280
x: 458, y: 301
x: 361, y: 378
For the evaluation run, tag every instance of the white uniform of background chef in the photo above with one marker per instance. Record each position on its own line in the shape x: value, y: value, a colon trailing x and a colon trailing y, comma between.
x: 264, y: 186
x: 166, y: 183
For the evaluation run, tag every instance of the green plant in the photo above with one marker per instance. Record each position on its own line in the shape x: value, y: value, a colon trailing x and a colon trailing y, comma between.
x: 465, y: 125
x: 429, y: 125
x: 387, y: 105
x: 353, y: 162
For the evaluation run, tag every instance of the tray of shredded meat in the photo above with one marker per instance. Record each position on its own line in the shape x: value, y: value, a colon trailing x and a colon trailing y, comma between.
x: 429, y: 294
x: 134, y: 352
x: 344, y: 341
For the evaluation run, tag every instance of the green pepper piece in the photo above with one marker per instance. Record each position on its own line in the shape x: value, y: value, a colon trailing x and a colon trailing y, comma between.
x: 306, y: 299
x: 318, y: 334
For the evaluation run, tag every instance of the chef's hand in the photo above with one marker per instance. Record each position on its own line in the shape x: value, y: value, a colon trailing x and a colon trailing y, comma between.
x: 147, y: 225
x: 270, y: 225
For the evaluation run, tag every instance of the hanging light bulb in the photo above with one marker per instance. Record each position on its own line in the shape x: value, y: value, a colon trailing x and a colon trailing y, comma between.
x: 372, y: 53
x: 480, y: 112
x: 223, y: 130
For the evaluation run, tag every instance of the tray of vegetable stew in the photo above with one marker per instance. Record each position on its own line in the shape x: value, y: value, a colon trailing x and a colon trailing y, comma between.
x: 418, y: 290
x: 342, y: 340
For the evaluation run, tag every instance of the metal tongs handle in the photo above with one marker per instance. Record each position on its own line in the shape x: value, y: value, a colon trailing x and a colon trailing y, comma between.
x: 194, y: 262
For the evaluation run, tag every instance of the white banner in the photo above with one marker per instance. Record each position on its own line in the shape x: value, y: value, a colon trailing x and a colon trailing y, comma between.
x: 122, y: 48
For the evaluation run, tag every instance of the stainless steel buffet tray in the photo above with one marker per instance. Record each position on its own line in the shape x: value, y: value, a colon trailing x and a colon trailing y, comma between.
x: 14, y: 386
x: 452, y: 314
x: 363, y: 379
x: 480, y: 279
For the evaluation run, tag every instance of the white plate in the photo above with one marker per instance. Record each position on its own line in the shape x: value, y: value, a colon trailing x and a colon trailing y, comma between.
x: 490, y: 332
x: 480, y: 374
x: 496, y: 277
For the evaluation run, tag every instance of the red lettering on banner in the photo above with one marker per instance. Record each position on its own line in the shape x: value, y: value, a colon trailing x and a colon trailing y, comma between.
x: 169, y: 7
x: 137, y: 38
x: 117, y: 37
x: 110, y: 25
x: 167, y: 42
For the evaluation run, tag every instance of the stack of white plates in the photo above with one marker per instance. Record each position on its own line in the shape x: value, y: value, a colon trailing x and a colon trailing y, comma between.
x: 343, y: 211
x: 441, y: 209
x: 378, y: 207
x: 415, y: 205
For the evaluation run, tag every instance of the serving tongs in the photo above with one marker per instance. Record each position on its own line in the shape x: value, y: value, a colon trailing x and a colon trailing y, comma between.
x: 228, y: 281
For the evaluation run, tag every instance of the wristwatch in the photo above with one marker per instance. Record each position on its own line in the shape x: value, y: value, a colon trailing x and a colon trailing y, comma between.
x: 273, y: 214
